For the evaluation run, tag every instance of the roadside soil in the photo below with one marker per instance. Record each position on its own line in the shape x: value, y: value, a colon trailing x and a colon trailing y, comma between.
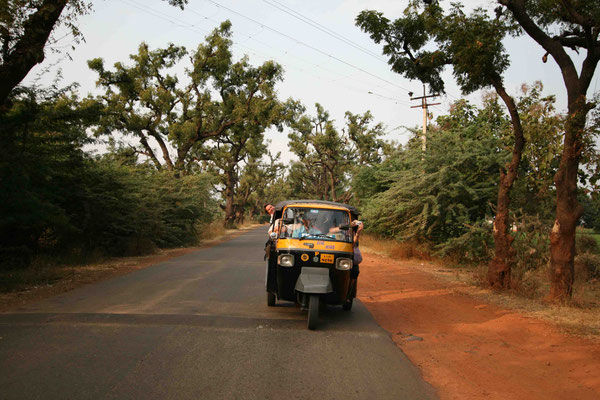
x: 468, y: 348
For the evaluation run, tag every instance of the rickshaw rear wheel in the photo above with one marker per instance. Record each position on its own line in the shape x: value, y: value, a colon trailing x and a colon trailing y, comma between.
x: 347, y: 306
x: 313, y: 311
x: 271, y: 299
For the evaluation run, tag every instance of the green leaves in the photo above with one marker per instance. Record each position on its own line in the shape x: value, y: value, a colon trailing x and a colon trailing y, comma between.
x: 440, y: 194
x: 420, y: 44
x: 218, y: 98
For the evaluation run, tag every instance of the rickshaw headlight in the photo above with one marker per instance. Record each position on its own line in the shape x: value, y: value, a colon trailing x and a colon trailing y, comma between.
x: 343, y: 264
x: 286, y: 260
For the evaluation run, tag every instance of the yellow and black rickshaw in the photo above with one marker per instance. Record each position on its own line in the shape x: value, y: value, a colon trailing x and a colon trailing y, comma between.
x: 311, y: 255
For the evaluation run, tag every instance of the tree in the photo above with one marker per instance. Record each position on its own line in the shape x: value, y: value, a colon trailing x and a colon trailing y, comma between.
x: 559, y: 26
x: 472, y: 45
x: 225, y: 160
x: 222, y: 97
x: 257, y: 179
x: 318, y: 144
x: 25, y: 30
x: 327, y: 157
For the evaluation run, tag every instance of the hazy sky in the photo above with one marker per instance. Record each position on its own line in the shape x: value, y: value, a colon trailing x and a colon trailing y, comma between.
x: 319, y: 67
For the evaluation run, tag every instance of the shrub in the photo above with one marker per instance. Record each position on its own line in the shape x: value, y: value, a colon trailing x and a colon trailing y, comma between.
x: 474, y: 246
x: 588, y: 263
x: 586, y: 244
x: 531, y: 244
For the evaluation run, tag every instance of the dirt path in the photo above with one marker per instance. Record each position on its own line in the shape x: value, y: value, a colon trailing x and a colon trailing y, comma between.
x: 468, y: 349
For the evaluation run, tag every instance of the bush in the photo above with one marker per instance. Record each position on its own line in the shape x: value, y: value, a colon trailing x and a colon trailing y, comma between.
x: 588, y: 263
x: 586, y: 244
x: 532, y: 243
x: 474, y: 246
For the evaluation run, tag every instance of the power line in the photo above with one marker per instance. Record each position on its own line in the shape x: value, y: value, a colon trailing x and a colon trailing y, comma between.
x: 322, y: 28
x: 305, y: 44
x: 191, y: 27
x: 389, y: 98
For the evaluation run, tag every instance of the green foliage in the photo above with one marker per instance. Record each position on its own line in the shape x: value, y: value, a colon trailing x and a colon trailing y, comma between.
x: 219, y: 99
x: 41, y: 166
x: 442, y: 196
x: 57, y: 199
x: 471, y: 44
x: 474, y: 246
x: 543, y: 127
x: 129, y: 206
x: 531, y: 244
x: 329, y: 158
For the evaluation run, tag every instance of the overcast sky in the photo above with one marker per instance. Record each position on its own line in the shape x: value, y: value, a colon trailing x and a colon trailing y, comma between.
x: 319, y: 66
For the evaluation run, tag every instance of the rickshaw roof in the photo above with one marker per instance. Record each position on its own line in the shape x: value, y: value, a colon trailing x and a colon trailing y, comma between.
x: 316, y: 203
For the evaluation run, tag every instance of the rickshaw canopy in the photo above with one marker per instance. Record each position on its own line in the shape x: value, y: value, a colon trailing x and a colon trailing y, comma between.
x: 282, y: 204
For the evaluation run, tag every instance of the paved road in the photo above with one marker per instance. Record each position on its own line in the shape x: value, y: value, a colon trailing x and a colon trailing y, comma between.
x: 197, y: 327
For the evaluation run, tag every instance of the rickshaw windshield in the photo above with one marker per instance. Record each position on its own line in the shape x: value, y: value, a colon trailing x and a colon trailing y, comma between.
x: 316, y: 223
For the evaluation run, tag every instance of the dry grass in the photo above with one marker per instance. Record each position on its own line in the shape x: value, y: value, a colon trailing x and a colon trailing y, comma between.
x: 394, y: 249
x: 213, y: 230
x: 527, y: 295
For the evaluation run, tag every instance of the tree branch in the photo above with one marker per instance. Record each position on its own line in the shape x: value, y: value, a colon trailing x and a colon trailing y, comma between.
x: 29, y: 49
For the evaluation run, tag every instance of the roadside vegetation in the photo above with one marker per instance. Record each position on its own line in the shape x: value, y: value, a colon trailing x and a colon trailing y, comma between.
x: 507, y: 188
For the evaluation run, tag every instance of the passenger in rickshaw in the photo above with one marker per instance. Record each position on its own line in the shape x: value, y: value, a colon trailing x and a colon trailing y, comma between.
x: 357, y: 259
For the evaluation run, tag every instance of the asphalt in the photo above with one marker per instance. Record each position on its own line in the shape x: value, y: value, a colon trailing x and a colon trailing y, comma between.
x: 197, y: 327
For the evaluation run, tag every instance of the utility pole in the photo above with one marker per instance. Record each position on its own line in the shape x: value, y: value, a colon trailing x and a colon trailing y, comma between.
x: 424, y: 105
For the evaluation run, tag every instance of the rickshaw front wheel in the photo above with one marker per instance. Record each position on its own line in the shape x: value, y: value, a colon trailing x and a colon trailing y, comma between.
x: 271, y: 299
x: 313, y: 311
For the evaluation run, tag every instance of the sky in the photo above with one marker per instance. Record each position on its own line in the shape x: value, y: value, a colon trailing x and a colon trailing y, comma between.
x: 326, y: 58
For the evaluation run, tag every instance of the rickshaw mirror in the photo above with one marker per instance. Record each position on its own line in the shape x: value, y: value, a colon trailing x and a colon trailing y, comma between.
x: 273, y: 235
x: 344, y: 227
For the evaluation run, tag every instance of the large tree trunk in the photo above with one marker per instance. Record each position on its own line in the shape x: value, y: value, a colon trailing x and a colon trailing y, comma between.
x: 499, y: 267
x: 29, y: 49
x: 568, y: 210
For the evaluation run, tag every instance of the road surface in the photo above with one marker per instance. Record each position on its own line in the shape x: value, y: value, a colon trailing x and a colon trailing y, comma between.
x: 197, y: 327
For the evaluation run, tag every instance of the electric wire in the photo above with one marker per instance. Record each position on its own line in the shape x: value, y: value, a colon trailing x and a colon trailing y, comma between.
x: 397, y: 101
x: 323, y: 28
x: 306, y: 45
x: 193, y: 28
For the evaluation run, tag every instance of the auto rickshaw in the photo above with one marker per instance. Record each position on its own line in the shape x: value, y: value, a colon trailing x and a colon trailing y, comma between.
x: 311, y: 256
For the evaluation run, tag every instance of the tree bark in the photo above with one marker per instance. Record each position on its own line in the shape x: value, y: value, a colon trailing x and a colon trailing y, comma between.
x: 568, y: 210
x: 499, y: 268
x: 29, y: 49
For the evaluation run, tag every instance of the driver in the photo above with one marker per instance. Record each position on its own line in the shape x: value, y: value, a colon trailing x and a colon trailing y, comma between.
x: 305, y: 228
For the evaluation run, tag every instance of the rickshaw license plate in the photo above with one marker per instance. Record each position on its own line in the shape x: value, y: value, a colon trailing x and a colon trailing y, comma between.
x: 327, y: 258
